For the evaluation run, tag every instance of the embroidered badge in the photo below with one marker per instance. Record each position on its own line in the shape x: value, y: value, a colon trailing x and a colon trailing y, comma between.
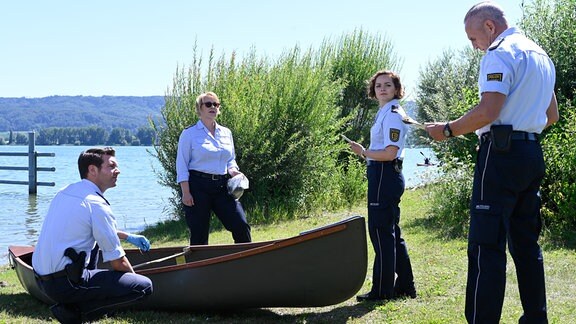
x: 494, y: 77
x: 394, y: 134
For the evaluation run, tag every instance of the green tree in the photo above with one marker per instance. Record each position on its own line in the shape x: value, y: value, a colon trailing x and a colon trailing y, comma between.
x: 353, y: 59
x: 448, y: 89
x: 145, y: 135
x: 21, y: 139
x: 286, y: 117
x: 119, y: 136
x: 558, y: 38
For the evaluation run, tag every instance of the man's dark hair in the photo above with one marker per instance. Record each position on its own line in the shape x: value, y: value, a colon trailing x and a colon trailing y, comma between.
x: 93, y: 156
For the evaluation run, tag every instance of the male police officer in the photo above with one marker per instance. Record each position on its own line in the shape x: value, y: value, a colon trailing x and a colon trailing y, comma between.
x: 517, y: 101
x: 78, y: 223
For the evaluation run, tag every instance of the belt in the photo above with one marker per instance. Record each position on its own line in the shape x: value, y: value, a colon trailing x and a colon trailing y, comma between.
x: 516, y: 136
x: 209, y: 176
x: 395, y: 161
x: 51, y: 276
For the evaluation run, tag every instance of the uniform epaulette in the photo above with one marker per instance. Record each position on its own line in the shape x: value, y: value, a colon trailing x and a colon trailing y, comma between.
x: 496, y: 46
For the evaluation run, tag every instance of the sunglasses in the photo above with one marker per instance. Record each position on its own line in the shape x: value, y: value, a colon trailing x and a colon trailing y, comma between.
x: 210, y: 104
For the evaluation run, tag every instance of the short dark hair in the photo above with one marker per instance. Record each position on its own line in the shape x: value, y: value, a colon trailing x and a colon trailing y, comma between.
x: 487, y: 10
x: 93, y: 156
x: 399, y: 94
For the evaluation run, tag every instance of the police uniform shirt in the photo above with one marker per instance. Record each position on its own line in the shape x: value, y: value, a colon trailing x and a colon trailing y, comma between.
x: 518, y: 68
x: 199, y: 150
x: 78, y: 217
x: 388, y: 128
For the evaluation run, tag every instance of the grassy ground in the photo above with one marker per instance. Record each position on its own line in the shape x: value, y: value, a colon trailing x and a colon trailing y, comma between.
x: 439, y: 268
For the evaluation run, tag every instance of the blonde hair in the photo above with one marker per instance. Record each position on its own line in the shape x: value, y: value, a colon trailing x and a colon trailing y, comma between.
x: 200, y: 100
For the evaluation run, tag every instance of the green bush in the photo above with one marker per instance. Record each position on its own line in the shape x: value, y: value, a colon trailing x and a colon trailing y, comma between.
x: 559, y: 185
x: 286, y: 119
x: 450, y: 199
x: 558, y: 38
x: 448, y: 89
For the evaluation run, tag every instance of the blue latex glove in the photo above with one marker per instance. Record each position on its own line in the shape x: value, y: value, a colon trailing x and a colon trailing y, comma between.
x: 140, y: 241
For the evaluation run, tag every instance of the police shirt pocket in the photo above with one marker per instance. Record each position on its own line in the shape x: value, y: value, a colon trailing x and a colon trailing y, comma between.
x: 485, y: 223
x: 225, y: 140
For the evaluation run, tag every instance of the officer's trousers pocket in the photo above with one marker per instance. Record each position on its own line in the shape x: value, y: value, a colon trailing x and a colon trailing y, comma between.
x: 382, y: 214
x: 485, y: 223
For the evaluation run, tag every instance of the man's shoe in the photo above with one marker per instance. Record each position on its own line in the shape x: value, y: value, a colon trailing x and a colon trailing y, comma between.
x: 401, y: 293
x: 66, y: 314
x: 371, y: 297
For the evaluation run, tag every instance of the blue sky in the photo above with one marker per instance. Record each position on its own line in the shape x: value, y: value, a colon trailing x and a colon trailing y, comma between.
x: 133, y: 47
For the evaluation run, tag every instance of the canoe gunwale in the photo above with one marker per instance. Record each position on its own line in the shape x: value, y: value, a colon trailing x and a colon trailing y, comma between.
x: 273, y: 245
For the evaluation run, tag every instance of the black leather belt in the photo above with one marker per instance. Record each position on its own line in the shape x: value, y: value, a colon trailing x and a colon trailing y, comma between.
x: 395, y: 161
x: 209, y: 176
x: 51, y: 276
x: 516, y: 136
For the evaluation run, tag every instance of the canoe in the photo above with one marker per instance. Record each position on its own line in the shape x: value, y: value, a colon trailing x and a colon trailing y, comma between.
x: 426, y: 164
x: 320, y: 267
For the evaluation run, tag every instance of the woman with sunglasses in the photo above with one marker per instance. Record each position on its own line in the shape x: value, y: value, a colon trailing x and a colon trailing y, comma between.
x: 204, y: 163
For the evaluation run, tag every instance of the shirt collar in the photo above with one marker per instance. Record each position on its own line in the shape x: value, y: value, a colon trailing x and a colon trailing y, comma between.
x: 504, y: 34
x: 201, y: 125
x: 389, y: 104
x: 93, y: 186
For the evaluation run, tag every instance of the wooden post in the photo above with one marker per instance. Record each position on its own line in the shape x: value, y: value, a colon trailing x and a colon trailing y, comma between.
x: 32, y: 173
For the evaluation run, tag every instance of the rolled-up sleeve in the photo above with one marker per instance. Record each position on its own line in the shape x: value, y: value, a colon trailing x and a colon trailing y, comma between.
x: 104, y: 231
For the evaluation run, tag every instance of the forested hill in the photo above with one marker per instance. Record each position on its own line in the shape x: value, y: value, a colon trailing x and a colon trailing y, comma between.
x: 25, y: 114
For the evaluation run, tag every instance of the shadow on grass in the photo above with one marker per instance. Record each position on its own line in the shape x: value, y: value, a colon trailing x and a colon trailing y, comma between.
x: 338, y: 314
x: 22, y: 304
x: 26, y: 306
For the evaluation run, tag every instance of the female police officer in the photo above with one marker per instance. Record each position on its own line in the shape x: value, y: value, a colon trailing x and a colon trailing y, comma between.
x: 385, y: 188
x: 204, y: 163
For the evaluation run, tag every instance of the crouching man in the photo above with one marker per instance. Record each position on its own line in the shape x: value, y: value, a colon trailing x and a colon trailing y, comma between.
x: 80, y: 222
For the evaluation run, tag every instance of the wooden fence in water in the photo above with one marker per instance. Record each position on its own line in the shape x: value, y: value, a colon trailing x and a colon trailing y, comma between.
x: 32, y: 167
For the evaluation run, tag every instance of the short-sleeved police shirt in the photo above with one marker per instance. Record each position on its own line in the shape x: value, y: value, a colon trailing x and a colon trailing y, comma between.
x: 78, y: 217
x: 518, y: 68
x: 388, y: 128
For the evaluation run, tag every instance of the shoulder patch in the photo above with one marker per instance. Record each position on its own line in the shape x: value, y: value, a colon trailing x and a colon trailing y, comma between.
x: 394, y: 134
x: 494, y: 77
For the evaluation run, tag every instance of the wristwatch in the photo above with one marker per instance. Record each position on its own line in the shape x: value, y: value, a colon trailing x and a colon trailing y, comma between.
x: 447, y: 130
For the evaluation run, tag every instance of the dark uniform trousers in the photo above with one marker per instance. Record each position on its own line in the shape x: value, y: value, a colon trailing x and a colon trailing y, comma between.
x: 100, y: 291
x: 385, y: 187
x: 212, y: 195
x: 505, y: 207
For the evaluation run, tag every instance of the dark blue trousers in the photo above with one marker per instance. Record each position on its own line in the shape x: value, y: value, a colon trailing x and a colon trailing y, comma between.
x: 505, y: 208
x: 212, y: 195
x: 385, y: 188
x: 101, y: 291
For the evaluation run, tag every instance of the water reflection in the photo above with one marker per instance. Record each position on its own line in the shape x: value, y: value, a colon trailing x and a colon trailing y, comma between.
x: 33, y: 220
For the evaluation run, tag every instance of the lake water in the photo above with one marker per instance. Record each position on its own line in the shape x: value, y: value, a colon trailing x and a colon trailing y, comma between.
x: 138, y: 200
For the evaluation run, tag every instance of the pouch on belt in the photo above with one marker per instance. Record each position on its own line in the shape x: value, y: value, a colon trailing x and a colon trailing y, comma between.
x: 501, y: 136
